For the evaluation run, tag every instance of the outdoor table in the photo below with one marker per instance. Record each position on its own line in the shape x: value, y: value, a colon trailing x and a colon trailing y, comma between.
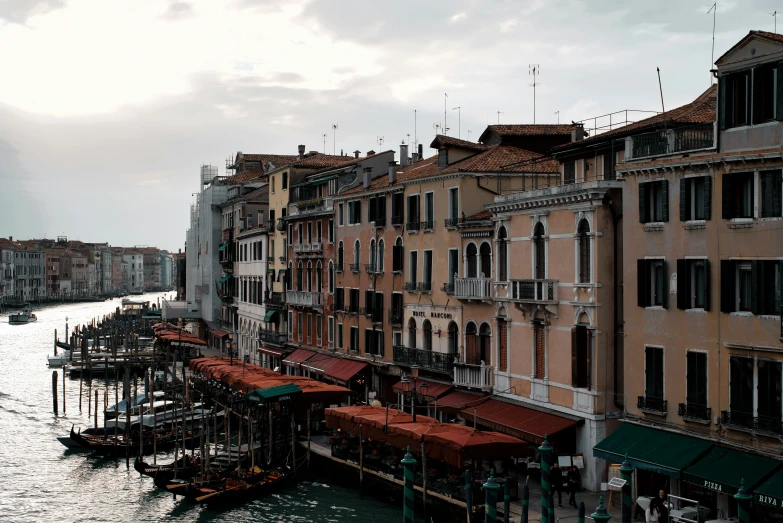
x: 728, y: 520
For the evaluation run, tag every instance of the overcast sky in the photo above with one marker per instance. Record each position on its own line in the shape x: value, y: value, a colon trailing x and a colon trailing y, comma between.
x: 108, y: 108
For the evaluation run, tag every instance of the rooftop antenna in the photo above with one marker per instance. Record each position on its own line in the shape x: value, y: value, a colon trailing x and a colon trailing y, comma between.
x: 459, y: 121
x: 334, y: 138
x: 660, y: 87
x: 558, y: 117
x: 499, y: 113
x: 714, y: 11
x: 415, y: 130
x: 775, y: 16
x: 445, y: 127
x: 324, y: 137
x: 534, y: 69
x: 468, y: 134
x: 380, y: 141
x: 436, y: 126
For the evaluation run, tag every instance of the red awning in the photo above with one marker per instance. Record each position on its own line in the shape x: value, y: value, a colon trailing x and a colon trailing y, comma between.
x: 435, y: 389
x: 297, y: 357
x: 316, y: 363
x: 218, y: 333
x: 342, y: 370
x: 458, y: 400
x: 521, y: 422
x: 272, y: 352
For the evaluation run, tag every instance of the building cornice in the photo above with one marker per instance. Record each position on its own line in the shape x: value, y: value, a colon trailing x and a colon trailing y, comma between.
x: 560, y: 196
x: 710, y: 161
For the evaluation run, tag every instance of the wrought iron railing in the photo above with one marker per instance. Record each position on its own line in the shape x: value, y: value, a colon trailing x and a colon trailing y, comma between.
x: 657, y: 143
x: 744, y: 420
x: 338, y: 267
x: 448, y: 288
x: 397, y: 220
x: 355, y: 267
x: 652, y: 404
x: 410, y: 286
x: 425, y: 286
x: 370, y: 268
x: 273, y: 337
x: 275, y: 300
x: 534, y: 290
x: 395, y: 317
x: 451, y: 222
x: 427, y: 225
x: 412, y: 226
x: 379, y: 221
x: 694, y: 411
x: 425, y: 359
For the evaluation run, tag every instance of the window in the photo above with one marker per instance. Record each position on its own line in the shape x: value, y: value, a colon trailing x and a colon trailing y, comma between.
x: 291, y: 232
x: 340, y: 255
x: 734, y: 100
x: 741, y: 390
x: 443, y: 158
x: 273, y: 185
x: 318, y: 227
x: 373, y: 254
x: 330, y: 330
x: 751, y: 286
x: 413, y: 212
x: 581, y: 348
x: 429, y: 210
x: 376, y: 211
x: 319, y: 276
x: 397, y: 210
x: 309, y: 327
x: 331, y: 277
x: 769, y: 389
x: 427, y: 269
x: 427, y: 335
x: 356, y: 252
x: 340, y: 335
x: 653, y: 373
x: 453, y: 338
x: 396, y: 308
x: 299, y: 326
x: 569, y: 171
x: 472, y: 259
x: 609, y: 173
x: 485, y: 254
x: 397, y: 256
x: 738, y: 195
x: 381, y: 253
x: 309, y: 232
x: 354, y: 304
x: 285, y: 181
x: 340, y: 215
x: 299, y: 234
x: 454, y: 204
x: 502, y: 254
x: 654, y: 201
x: 696, y: 393
x: 318, y: 328
x: 771, y: 194
x: 453, y: 266
x: 651, y: 283
x: 354, y: 212
x: 583, y: 244
x: 339, y: 299
x: 485, y: 343
x: 414, y: 267
x: 373, y: 342
x: 693, y: 284
x: 695, y: 198
x: 539, y: 349
x: 355, y: 339
x: 300, y: 277
x: 330, y: 231
x: 411, y: 333
x: 539, y: 249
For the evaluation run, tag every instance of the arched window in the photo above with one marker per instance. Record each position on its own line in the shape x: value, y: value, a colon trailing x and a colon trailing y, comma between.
x: 583, y: 243
x: 453, y: 338
x: 318, y: 276
x: 380, y: 254
x: 502, y: 251
x: 502, y: 341
x: 289, y: 277
x: 539, y: 347
x: 300, y: 277
x: 356, y: 252
x: 539, y: 271
x: 581, y: 349
x: 472, y: 355
x: 340, y: 254
x: 397, y: 256
x: 485, y: 335
x: 412, y: 333
x: 472, y: 264
x: 309, y: 276
x: 427, y: 328
x: 331, y: 277
x: 373, y: 254
x: 485, y: 254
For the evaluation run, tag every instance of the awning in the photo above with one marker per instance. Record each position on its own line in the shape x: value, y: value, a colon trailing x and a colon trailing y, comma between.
x: 458, y: 400
x: 281, y: 273
x: 520, y: 422
x: 722, y: 470
x: 342, y: 370
x: 223, y: 247
x: 271, y: 351
x: 435, y: 389
x: 270, y: 315
x: 218, y: 333
x: 224, y: 279
x: 279, y: 393
x: 770, y: 492
x: 297, y: 357
x: 270, y: 270
x: 651, y: 449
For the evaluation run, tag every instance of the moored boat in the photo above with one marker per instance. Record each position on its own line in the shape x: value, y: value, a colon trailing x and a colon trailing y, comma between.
x: 238, y: 491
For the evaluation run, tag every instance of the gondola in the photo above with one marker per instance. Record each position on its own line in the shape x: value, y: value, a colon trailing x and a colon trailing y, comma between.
x: 186, y: 468
x: 105, y: 445
x: 236, y: 492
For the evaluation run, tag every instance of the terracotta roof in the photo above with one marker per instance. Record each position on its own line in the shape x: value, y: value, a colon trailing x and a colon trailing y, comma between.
x: 318, y: 161
x: 248, y: 175
x: 442, y: 140
x: 483, y: 215
x: 760, y: 34
x: 701, y: 110
x: 531, y: 129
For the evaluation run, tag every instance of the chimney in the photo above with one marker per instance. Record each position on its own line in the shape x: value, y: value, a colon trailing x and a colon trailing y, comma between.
x: 357, y: 153
x: 392, y: 172
x: 370, y: 152
x: 301, y: 151
x: 421, y: 151
x: 10, y: 238
x: 414, y: 157
x: 367, y: 171
x: 403, y: 155
x: 578, y: 134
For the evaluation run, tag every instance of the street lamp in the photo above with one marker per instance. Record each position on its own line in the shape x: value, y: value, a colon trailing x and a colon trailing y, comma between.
x: 414, y: 391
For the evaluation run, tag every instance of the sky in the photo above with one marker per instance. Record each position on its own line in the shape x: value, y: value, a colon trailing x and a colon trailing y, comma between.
x: 109, y: 108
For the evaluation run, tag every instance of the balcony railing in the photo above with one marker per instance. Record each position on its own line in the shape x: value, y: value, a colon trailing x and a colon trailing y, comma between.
x: 304, y: 298
x: 448, y: 288
x: 379, y: 221
x: 355, y: 267
x: 472, y: 288
x: 473, y: 376
x: 425, y: 359
x: 395, y: 318
x: 657, y: 143
x: 452, y: 222
x: 338, y: 267
x: 270, y: 259
x: 412, y: 226
x: 694, y: 412
x: 425, y: 286
x: 272, y: 337
x: 743, y: 420
x: 427, y: 225
x: 534, y: 290
x: 370, y: 268
x: 308, y: 247
x: 397, y: 221
x: 652, y: 405
x: 275, y: 300
x: 282, y: 258
x: 410, y: 286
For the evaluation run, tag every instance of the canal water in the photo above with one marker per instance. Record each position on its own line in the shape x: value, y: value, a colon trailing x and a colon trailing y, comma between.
x: 43, y: 481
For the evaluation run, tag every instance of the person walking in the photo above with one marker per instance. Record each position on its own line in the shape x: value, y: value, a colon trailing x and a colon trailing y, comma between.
x: 557, y: 482
x: 573, y: 482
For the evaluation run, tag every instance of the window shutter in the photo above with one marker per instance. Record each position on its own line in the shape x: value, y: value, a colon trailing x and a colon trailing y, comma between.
x: 683, y: 285
x: 779, y: 93
x: 756, y: 286
x: 708, y: 197
x: 381, y: 210
x: 368, y: 300
x: 707, y: 280
x: 358, y: 212
x: 367, y: 346
x: 727, y: 197
x: 642, y: 203
x: 727, y: 300
x: 685, y: 211
x: 649, y: 363
x: 723, y: 95
x: 665, y: 199
x: 665, y: 297
x: 771, y: 194
x: 642, y: 283
x: 378, y: 301
x: 574, y: 343
x: 589, y: 355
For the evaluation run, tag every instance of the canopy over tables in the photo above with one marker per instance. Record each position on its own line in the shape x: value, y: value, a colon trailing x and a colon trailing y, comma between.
x: 446, y: 442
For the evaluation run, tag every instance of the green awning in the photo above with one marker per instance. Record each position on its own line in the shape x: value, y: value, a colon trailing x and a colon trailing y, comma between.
x: 278, y: 393
x: 771, y: 491
x: 223, y: 247
x: 651, y: 449
x: 224, y: 279
x: 723, y: 469
x: 270, y: 316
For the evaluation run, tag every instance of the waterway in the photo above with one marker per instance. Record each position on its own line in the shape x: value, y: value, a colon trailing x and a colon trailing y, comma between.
x: 43, y: 481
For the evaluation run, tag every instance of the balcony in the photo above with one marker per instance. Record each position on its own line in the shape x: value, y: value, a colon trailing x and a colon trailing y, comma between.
x: 355, y: 268
x: 409, y: 286
x: 305, y: 248
x: 304, y: 299
x: 282, y: 259
x: 694, y: 412
x: 451, y: 222
x: 311, y: 205
x: 227, y: 234
x: 473, y: 288
x: 652, y: 405
x: 275, y: 300
x: 270, y: 260
x: 746, y: 421
x: 425, y: 359
x: 370, y: 268
x: 448, y: 288
x: 473, y: 376
x: 427, y: 226
x: 412, y: 226
x: 273, y: 337
x: 534, y: 291
x: 397, y: 221
x: 395, y: 318
x: 425, y: 286
x: 338, y: 267
x: 658, y: 143
x: 379, y: 222
x: 227, y: 263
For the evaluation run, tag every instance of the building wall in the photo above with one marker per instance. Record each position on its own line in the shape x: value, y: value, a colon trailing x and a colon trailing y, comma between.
x: 251, y: 270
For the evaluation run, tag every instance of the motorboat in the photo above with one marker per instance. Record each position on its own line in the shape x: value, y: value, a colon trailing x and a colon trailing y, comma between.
x: 22, y: 318
x: 140, y: 399
x: 58, y: 360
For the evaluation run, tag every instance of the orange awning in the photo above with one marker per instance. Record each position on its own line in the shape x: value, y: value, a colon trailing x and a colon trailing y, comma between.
x: 435, y: 389
x: 521, y: 422
x: 297, y: 357
x: 458, y: 400
x: 340, y: 370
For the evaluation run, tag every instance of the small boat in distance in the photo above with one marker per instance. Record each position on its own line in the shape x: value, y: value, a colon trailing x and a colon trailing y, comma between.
x: 21, y: 318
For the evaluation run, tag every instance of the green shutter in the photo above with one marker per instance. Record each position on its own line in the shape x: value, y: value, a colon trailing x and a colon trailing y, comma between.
x: 642, y: 283
x: 642, y: 203
x: 665, y: 199
x: 683, y: 285
x: 723, y: 95
x: 727, y: 291
x: 727, y: 197
x: 707, y: 280
x: 756, y: 286
x: 685, y: 200
x: 665, y: 297
x: 779, y: 93
x: 708, y: 197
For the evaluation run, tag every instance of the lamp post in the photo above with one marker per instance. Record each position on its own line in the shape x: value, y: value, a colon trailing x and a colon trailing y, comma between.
x: 413, y: 390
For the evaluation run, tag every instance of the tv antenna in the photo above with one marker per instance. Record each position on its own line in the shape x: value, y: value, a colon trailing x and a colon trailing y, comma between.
x: 415, y: 130
x: 445, y: 127
x: 468, y: 134
x: 380, y: 141
x: 334, y: 138
x: 459, y: 121
x: 436, y: 126
x: 775, y: 16
x: 558, y: 117
x: 324, y: 137
x: 499, y: 113
x: 534, y: 70
x: 714, y: 11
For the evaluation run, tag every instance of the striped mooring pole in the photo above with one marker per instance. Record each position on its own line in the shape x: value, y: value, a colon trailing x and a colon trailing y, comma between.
x: 626, y: 472
x: 580, y: 514
x: 546, y: 482
x: 525, y: 503
x: 409, y: 499
x: 552, y: 508
x: 491, y: 488
x: 743, y: 503
x: 469, y: 493
x: 601, y: 515
x: 506, y: 500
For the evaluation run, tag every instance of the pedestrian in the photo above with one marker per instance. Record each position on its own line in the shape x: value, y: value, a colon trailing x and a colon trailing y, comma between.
x: 557, y: 483
x: 662, y: 505
x: 573, y: 482
x: 652, y: 514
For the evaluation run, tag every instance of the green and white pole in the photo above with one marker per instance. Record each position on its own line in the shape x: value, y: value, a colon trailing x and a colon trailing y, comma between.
x: 601, y: 515
x: 552, y: 508
x: 491, y: 488
x: 580, y: 514
x: 743, y: 503
x: 409, y: 499
x: 525, y: 503
x: 546, y: 482
x: 506, y: 500
x: 626, y: 472
x: 469, y: 493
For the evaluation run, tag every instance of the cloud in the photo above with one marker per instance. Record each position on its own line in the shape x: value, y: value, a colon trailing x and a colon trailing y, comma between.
x: 508, y: 25
x: 178, y: 11
x: 457, y: 17
x: 19, y: 11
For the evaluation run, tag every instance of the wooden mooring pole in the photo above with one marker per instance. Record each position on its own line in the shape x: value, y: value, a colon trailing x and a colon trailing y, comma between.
x: 95, y: 412
x: 63, y: 392
x: 54, y: 391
